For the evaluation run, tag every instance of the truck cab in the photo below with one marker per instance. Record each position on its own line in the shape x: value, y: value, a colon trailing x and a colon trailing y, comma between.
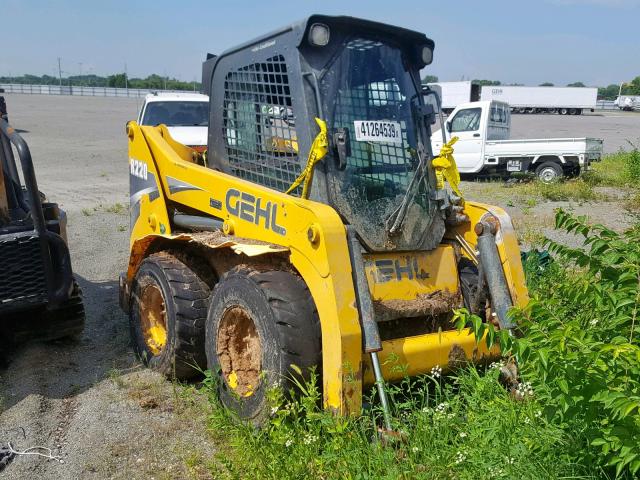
x: 473, y: 123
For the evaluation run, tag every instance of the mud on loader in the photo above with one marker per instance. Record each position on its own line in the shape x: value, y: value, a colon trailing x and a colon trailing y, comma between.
x: 316, y: 231
x: 39, y: 298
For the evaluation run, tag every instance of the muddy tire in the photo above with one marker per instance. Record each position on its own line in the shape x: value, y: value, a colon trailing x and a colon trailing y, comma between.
x: 258, y: 325
x: 167, y: 316
x: 66, y: 321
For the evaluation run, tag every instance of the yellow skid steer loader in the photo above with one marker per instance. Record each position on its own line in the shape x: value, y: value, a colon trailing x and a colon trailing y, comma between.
x: 317, y: 231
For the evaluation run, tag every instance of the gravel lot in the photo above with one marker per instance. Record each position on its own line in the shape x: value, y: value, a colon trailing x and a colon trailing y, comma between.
x: 90, y: 401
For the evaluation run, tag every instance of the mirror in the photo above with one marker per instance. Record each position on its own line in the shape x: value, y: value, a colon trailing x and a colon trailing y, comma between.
x: 448, y: 127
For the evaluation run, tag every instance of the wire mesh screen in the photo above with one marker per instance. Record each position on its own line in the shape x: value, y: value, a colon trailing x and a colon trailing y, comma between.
x: 259, y: 124
x: 380, y: 165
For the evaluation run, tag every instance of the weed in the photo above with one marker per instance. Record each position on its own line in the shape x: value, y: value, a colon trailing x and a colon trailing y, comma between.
x: 580, y: 343
x: 450, y: 425
x: 122, y: 228
x: 632, y: 203
x: 617, y: 169
x: 116, y: 208
x: 87, y: 212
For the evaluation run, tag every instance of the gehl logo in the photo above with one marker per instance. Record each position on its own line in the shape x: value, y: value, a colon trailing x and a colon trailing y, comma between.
x: 254, y: 209
x: 386, y: 270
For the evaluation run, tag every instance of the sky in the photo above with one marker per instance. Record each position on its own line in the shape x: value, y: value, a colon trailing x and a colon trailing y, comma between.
x: 518, y: 41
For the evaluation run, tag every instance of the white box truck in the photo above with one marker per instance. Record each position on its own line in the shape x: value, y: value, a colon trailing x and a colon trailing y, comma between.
x: 628, y: 102
x: 453, y: 94
x: 562, y: 100
x: 483, y: 146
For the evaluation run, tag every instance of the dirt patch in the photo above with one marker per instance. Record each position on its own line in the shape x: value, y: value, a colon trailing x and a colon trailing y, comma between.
x: 430, y: 304
x: 239, y: 350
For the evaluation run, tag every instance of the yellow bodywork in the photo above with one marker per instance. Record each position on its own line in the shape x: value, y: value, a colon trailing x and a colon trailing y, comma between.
x: 315, y: 240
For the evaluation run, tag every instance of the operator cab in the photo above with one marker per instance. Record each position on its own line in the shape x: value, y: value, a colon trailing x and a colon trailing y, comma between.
x: 362, y: 79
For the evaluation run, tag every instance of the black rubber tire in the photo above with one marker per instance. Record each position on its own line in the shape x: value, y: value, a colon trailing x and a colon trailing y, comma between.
x: 286, y: 320
x: 185, y: 297
x: 474, y: 299
x: 563, y: 111
x: 542, y: 171
x: 62, y: 322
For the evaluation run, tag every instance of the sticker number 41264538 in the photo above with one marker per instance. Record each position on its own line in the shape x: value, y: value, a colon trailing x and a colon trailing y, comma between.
x: 138, y: 169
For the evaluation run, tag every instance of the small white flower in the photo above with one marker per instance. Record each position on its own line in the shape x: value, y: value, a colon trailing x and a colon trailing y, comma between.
x: 460, y: 457
x: 415, y: 449
x: 463, y: 434
x: 496, y: 471
x: 288, y: 443
x: 441, y: 407
x: 525, y: 389
x: 593, y: 322
x: 436, y: 371
x: 527, y: 420
x: 274, y: 410
x: 538, y: 413
x: 426, y: 410
x: 511, y: 460
x: 309, y: 439
x: 497, y: 365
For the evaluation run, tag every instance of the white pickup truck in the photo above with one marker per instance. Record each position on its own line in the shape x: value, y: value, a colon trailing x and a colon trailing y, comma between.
x: 484, y: 147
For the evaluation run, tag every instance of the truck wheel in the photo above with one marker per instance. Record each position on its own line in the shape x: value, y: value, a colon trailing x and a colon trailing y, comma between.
x: 578, y: 111
x: 563, y: 111
x: 259, y: 324
x: 572, y: 111
x: 167, y: 316
x: 549, y: 172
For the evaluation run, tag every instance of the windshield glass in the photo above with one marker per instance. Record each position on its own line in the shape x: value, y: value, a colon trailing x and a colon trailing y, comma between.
x: 177, y: 114
x: 368, y: 91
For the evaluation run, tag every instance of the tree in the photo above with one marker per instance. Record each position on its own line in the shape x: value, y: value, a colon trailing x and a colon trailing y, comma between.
x: 429, y: 79
x: 118, y: 80
x: 576, y: 84
x: 608, y: 93
x: 547, y: 84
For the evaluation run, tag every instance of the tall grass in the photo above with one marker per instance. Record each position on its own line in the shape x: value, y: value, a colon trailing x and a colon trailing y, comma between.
x: 466, y: 427
x: 620, y: 169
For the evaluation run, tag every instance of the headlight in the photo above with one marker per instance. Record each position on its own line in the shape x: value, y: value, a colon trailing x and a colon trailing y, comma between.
x: 427, y: 55
x: 319, y: 34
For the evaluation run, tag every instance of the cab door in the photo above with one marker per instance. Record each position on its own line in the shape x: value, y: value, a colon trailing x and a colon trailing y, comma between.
x: 466, y: 124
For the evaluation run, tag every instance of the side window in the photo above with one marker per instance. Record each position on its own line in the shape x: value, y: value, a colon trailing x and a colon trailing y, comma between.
x: 259, y: 124
x: 467, y: 120
x: 498, y: 114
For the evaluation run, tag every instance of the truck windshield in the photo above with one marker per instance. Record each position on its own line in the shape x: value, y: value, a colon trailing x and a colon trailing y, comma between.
x: 368, y: 91
x: 177, y: 114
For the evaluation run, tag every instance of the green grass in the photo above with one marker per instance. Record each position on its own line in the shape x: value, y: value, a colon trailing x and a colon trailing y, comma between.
x: 464, y: 427
x: 620, y: 169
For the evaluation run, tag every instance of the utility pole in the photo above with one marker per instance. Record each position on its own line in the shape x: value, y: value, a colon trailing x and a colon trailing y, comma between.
x: 59, y: 72
x: 126, y: 79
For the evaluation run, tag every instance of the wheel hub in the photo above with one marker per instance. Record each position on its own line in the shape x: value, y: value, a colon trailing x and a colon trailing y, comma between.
x: 153, y: 319
x: 239, y: 351
x: 548, y: 175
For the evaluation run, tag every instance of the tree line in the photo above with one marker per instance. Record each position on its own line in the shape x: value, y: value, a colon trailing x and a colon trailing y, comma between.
x: 609, y: 92
x: 120, y: 80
